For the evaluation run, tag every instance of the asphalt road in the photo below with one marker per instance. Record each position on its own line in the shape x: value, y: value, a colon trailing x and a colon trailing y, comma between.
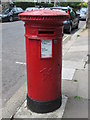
x: 13, y: 50
x: 13, y: 57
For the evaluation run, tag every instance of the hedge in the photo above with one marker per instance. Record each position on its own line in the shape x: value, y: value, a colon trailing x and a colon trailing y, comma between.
x: 24, y: 5
x: 75, y: 5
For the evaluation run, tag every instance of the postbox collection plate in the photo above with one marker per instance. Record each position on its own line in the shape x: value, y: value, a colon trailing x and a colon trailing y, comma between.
x: 46, y: 48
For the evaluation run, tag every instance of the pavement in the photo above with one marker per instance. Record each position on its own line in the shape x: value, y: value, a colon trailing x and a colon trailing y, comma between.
x: 75, y: 67
x: 74, y: 81
x: 75, y: 76
x: 24, y: 112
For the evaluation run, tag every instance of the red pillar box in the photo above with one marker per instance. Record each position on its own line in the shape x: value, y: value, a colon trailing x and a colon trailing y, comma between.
x: 43, y: 32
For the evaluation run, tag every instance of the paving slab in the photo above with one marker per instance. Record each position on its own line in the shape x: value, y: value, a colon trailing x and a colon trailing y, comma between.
x: 10, y: 108
x: 78, y: 48
x: 82, y: 77
x: 64, y: 51
x: 23, y: 112
x: 73, y: 64
x: 67, y: 73
x: 75, y: 56
x: 69, y: 88
x: 76, y: 108
x: 81, y: 42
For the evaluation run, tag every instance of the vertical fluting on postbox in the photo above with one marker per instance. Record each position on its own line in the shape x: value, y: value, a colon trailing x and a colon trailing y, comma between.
x: 43, y: 33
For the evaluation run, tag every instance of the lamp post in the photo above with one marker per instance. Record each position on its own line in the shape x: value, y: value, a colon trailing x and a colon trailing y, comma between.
x: 81, y: 4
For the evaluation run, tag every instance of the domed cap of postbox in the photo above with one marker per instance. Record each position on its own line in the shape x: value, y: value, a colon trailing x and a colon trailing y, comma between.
x: 44, y: 16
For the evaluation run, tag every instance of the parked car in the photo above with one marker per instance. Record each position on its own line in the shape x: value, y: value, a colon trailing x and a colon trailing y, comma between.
x: 45, y: 8
x: 31, y: 8
x: 73, y: 21
x: 83, y: 12
x: 11, y: 14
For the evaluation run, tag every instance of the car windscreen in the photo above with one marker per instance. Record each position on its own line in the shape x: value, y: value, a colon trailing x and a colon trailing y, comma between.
x: 19, y: 9
x: 64, y: 9
x: 28, y: 9
x: 55, y: 8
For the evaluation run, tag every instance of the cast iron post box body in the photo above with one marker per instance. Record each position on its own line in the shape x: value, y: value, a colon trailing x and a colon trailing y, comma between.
x: 43, y: 33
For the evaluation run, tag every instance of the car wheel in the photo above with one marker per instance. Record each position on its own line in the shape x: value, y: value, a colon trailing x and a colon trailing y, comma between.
x: 11, y: 18
x: 70, y: 29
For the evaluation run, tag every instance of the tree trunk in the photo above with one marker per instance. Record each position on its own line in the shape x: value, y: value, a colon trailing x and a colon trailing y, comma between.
x: 81, y: 4
x: 54, y: 3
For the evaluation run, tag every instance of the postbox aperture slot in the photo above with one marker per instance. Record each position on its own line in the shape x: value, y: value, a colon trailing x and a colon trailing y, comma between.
x: 46, y: 32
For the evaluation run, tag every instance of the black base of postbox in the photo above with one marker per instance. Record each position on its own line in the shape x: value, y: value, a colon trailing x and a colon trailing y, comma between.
x: 43, y: 107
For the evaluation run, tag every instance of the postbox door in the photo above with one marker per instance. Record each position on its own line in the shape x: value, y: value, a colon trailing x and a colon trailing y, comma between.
x: 43, y: 72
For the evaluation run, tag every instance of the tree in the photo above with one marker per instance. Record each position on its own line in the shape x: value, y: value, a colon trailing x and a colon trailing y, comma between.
x: 54, y: 2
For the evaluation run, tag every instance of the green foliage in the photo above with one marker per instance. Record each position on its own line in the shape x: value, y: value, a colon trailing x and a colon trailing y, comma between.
x: 78, y: 35
x: 78, y: 98
x: 24, y: 5
x: 79, y: 5
x: 75, y: 5
x: 84, y: 4
x: 44, y: 4
x: 75, y: 80
x: 83, y: 29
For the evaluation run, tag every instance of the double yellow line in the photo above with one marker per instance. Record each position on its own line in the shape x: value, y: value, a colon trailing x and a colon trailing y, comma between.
x: 65, y: 38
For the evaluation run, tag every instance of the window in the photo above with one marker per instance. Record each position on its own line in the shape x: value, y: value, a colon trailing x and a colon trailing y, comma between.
x: 6, y: 11
x: 19, y: 9
x: 14, y: 10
